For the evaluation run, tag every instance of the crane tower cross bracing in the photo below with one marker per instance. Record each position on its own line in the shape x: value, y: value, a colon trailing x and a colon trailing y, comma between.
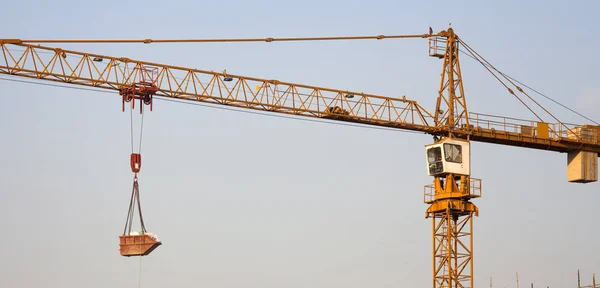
x: 451, y: 124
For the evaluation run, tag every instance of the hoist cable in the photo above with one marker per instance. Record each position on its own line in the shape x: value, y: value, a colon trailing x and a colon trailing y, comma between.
x: 142, y: 226
x: 135, y: 199
x: 131, y: 125
x: 518, y: 88
x: 141, y: 131
x: 127, y: 229
x: 556, y: 102
x: 140, y: 275
x: 504, y: 84
x: 536, y: 91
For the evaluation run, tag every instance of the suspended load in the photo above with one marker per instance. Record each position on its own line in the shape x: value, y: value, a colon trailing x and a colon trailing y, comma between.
x: 134, y: 243
x: 142, y: 87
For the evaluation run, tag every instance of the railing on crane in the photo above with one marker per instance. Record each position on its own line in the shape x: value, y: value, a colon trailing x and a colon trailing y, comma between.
x: 554, y: 131
x: 473, y: 190
x: 437, y: 46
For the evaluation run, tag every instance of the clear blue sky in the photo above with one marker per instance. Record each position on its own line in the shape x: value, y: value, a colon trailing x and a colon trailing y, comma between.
x: 243, y: 200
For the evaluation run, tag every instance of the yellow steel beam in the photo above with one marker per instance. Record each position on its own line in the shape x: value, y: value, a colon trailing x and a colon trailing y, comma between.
x: 114, y: 73
x: 268, y: 39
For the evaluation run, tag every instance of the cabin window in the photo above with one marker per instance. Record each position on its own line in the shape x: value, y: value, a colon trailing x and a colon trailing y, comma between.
x: 434, y: 159
x: 453, y: 153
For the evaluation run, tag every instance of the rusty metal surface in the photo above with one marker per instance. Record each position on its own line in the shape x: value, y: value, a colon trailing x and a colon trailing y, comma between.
x: 137, y: 245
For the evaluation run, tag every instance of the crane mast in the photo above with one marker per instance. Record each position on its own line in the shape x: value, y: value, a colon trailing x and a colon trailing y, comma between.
x: 449, y: 196
x: 445, y: 46
x: 452, y: 126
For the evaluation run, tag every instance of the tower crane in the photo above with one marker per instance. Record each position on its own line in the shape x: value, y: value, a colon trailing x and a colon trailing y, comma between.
x: 451, y: 124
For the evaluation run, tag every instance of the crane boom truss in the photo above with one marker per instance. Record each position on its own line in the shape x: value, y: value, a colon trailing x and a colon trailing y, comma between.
x: 118, y: 73
x: 213, y: 87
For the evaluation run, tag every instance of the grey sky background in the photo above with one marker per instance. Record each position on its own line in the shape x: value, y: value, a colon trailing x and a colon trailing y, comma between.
x: 243, y: 200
